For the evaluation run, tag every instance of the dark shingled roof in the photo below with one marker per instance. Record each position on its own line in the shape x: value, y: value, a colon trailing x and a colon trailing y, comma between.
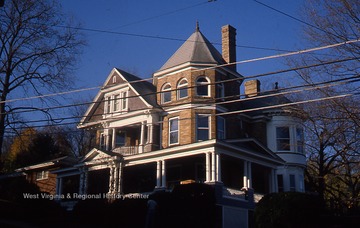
x: 196, y: 49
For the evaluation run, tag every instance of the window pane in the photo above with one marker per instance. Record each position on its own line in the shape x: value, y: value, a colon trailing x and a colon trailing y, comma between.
x: 173, y: 131
x: 280, y: 181
x: 283, y: 138
x: 116, y: 102
x: 124, y: 100
x: 120, y: 139
x: 183, y: 92
x: 282, y: 132
x: 220, y: 127
x: 203, y: 134
x: 202, y: 90
x: 203, y: 121
x: 292, y: 183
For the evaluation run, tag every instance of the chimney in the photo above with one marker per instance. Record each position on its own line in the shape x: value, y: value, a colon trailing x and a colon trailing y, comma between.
x: 252, y: 88
x: 229, y: 45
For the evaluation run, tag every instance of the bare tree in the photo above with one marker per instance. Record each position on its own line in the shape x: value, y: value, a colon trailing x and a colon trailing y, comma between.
x: 38, y: 51
x: 333, y: 126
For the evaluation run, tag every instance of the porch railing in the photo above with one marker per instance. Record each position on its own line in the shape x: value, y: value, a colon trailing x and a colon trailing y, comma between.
x: 126, y: 150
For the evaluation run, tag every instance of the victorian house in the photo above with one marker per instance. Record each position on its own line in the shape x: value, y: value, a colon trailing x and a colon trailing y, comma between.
x: 191, y: 124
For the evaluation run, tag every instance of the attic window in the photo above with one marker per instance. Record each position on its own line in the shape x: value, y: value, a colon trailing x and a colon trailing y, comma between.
x: 114, y: 79
x: 42, y: 175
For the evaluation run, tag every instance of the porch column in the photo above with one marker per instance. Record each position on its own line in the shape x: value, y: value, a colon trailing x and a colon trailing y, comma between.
x: 113, y: 138
x: 83, y: 181
x: 107, y: 139
x: 273, y: 181
x: 59, y: 183
x: 163, y: 174
x: 150, y: 133
x: 119, y: 182
x: 218, y: 167
x: 208, y: 167
x: 158, y: 174
x: 111, y: 179
x: 249, y: 182
x: 213, y: 166
x: 245, y: 176
x: 142, y: 137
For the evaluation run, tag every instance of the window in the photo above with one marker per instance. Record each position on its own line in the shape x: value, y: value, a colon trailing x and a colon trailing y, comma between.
x: 120, y: 139
x: 220, y: 127
x: 174, y: 130
x: 220, y: 91
x: 283, y: 138
x: 124, y: 100
x: 116, y: 102
x: 114, y: 79
x: 280, y: 181
x: 300, y: 140
x: 166, y: 94
x: 202, y: 87
x: 182, y: 89
x: 108, y: 105
x: 42, y: 175
x: 292, y: 183
x: 202, y: 126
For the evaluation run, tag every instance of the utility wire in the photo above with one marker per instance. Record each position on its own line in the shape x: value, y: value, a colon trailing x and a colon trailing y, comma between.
x: 190, y: 87
x: 206, y: 68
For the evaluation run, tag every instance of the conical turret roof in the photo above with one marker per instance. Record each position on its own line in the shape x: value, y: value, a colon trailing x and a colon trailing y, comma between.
x: 196, y: 49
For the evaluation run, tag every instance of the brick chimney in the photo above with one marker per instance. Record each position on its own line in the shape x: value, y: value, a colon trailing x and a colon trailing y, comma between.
x: 252, y: 88
x: 229, y: 45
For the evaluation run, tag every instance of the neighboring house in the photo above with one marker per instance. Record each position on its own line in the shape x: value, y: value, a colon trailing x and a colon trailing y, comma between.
x: 42, y: 175
x: 190, y: 125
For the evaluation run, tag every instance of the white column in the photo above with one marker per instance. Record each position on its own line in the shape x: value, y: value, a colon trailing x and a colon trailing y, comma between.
x: 59, y: 182
x: 245, y: 177
x: 116, y: 179
x: 163, y: 174
x: 113, y: 138
x: 218, y: 167
x: 208, y: 167
x: 158, y: 174
x: 111, y: 180
x: 213, y: 166
x: 249, y: 176
x: 83, y: 181
x: 150, y: 133
x: 119, y: 188
x: 142, y: 137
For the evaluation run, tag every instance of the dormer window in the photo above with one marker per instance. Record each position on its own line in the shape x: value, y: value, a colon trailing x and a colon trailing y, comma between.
x: 182, y: 89
x: 203, y: 87
x: 166, y: 94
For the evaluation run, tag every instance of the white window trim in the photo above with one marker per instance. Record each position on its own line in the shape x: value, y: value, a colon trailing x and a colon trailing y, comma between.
x: 109, y: 108
x: 178, y: 131
x: 203, y: 84
x: 293, y: 139
x: 209, y: 126
x: 43, y: 175
x: 165, y: 90
x: 181, y: 86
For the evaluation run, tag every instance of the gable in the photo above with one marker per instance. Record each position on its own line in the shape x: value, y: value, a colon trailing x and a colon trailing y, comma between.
x: 139, y: 95
x: 95, y: 154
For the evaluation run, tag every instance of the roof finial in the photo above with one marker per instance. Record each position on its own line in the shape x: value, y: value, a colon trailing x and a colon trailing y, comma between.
x: 197, y: 29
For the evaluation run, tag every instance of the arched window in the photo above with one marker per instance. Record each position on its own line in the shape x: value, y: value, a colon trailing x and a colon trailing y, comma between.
x: 203, y: 87
x: 166, y: 93
x: 182, y: 89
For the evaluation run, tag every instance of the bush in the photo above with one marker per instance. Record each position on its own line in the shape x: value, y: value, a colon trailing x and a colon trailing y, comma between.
x: 289, y: 210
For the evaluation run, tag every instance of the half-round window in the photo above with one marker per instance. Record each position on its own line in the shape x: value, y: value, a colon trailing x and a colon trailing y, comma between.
x: 203, y: 87
x: 182, y: 89
x: 166, y: 93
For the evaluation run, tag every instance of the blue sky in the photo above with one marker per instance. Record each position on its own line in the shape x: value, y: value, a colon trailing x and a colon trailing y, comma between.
x: 257, y: 26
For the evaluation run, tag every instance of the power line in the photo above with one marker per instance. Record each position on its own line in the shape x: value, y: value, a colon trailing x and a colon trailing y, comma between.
x: 214, y: 83
x: 213, y: 67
